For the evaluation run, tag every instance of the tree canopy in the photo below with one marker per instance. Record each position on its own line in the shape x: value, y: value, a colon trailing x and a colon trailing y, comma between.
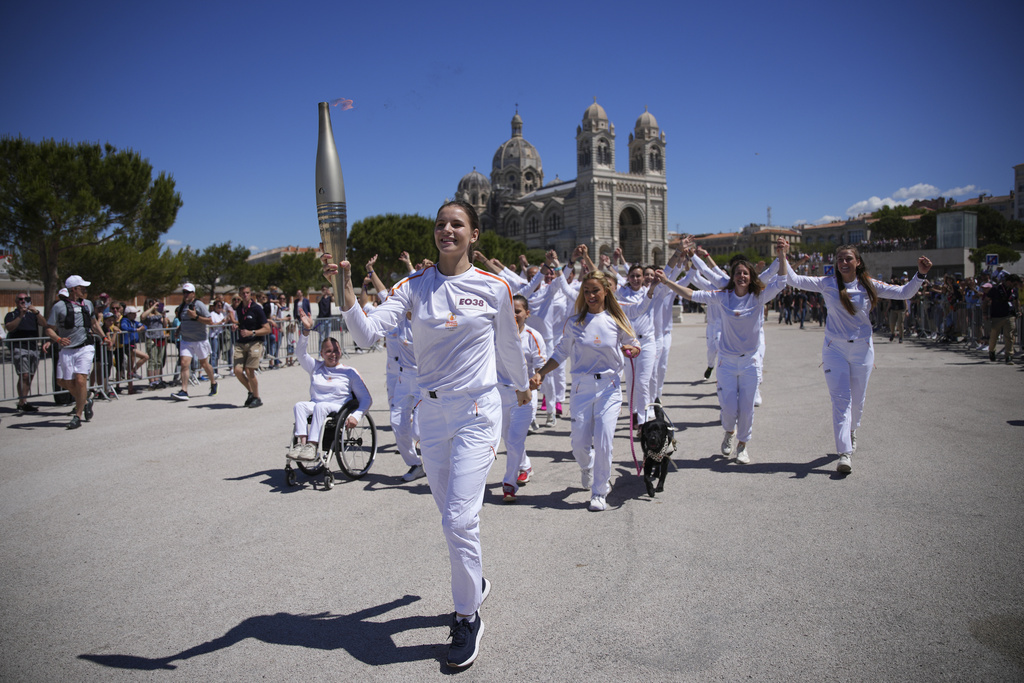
x: 388, y: 236
x: 123, y: 270
x: 1005, y: 254
x: 57, y: 197
x: 218, y: 261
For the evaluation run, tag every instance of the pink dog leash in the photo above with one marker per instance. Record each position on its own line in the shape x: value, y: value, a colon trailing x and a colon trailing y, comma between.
x: 632, y: 444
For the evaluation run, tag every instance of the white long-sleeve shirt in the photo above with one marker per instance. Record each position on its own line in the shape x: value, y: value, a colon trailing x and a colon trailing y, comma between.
x: 595, y: 345
x: 840, y: 324
x: 463, y: 328
x: 332, y: 385
x: 534, y: 351
x: 637, y: 307
x: 742, y: 316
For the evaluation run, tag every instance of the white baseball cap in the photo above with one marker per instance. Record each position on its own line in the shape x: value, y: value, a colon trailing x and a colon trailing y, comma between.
x: 130, y: 309
x: 76, y: 281
x: 188, y: 287
x: 64, y: 293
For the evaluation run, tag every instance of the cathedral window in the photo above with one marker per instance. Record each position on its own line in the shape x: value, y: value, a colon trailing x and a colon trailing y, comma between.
x: 583, y: 155
x: 513, y: 228
x: 534, y: 225
x: 656, y: 160
x: 554, y: 223
x: 636, y: 162
x: 604, y: 153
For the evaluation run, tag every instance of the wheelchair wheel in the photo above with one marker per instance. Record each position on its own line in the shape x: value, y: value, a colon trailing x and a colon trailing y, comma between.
x: 355, y: 448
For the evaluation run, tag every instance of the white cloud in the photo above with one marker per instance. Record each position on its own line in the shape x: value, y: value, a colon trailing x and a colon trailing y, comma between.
x: 919, y: 191
x: 906, y: 196
x: 173, y: 243
x: 828, y: 219
x: 961, y: 191
x: 870, y: 205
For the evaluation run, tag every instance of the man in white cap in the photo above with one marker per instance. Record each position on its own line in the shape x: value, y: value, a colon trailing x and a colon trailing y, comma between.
x: 195, y: 341
x: 68, y: 325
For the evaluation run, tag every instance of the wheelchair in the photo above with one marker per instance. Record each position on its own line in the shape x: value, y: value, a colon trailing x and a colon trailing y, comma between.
x: 354, y: 449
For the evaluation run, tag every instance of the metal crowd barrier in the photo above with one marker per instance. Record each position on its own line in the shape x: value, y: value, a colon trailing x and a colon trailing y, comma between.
x: 114, y: 367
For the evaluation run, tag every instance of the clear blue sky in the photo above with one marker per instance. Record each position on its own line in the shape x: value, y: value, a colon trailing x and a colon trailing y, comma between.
x: 813, y: 108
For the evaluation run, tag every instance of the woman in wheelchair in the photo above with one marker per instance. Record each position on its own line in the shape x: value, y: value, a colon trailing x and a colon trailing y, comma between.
x: 330, y: 386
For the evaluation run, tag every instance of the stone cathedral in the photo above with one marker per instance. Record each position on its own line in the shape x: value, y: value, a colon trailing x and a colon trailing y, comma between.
x: 601, y: 208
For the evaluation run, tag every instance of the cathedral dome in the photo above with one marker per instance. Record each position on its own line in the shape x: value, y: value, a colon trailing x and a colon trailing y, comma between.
x: 516, y: 151
x: 474, y: 183
x: 595, y: 112
x: 646, y: 121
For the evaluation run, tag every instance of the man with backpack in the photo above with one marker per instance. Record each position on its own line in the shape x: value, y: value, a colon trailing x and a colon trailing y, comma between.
x: 70, y: 321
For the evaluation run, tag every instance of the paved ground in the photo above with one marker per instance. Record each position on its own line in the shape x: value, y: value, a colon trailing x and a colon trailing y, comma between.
x: 160, y: 542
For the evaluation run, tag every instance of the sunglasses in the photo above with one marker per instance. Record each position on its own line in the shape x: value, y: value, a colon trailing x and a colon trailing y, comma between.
x: 24, y: 298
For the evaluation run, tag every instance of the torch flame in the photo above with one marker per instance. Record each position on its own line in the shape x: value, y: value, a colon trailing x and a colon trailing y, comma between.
x: 345, y: 104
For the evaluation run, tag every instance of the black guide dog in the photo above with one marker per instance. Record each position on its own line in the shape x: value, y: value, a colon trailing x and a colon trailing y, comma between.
x: 657, y: 439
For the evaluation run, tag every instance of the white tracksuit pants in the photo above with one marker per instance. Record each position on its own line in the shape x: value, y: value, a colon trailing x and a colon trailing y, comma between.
x: 737, y: 385
x: 712, y: 333
x: 513, y: 430
x: 553, y: 386
x: 661, y: 369
x: 847, y: 368
x: 643, y: 368
x: 595, y: 407
x: 652, y: 387
x: 319, y: 411
x: 458, y: 436
x: 404, y: 418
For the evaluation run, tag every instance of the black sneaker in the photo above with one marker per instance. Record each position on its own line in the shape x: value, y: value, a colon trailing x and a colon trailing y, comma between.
x: 88, y: 410
x: 28, y: 408
x: 75, y: 423
x: 248, y: 400
x: 256, y: 402
x: 707, y: 373
x: 465, y: 637
x: 213, y: 388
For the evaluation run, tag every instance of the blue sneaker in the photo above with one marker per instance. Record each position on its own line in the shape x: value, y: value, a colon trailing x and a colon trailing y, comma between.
x: 465, y: 637
x: 180, y: 395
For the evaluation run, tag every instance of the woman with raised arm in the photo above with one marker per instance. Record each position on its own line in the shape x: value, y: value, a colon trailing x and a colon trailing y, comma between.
x: 331, y: 384
x: 463, y: 327
x: 742, y: 305
x: 596, y: 338
x: 848, y: 353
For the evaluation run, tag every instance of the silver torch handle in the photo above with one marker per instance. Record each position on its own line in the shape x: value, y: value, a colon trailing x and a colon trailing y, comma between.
x: 330, y: 196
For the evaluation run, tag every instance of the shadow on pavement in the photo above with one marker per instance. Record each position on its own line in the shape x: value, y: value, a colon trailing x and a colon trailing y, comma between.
x: 719, y: 463
x: 371, y: 642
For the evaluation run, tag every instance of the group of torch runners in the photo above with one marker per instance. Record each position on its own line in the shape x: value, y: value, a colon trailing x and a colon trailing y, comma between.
x: 471, y: 347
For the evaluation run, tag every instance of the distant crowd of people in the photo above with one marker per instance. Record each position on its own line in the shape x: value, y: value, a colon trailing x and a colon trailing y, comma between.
x: 105, y: 347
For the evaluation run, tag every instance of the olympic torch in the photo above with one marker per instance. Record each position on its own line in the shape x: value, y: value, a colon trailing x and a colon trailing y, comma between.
x: 330, y: 195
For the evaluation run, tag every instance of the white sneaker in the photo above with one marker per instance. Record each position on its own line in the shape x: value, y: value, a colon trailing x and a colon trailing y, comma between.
x: 587, y: 478
x: 414, y: 473
x: 742, y: 454
x: 534, y: 427
x: 308, y: 452
x: 853, y: 442
x: 550, y: 422
x: 727, y: 445
x: 597, y: 504
x: 844, y: 466
x: 757, y: 399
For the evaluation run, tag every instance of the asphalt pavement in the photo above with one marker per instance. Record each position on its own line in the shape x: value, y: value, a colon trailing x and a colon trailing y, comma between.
x: 161, y: 542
